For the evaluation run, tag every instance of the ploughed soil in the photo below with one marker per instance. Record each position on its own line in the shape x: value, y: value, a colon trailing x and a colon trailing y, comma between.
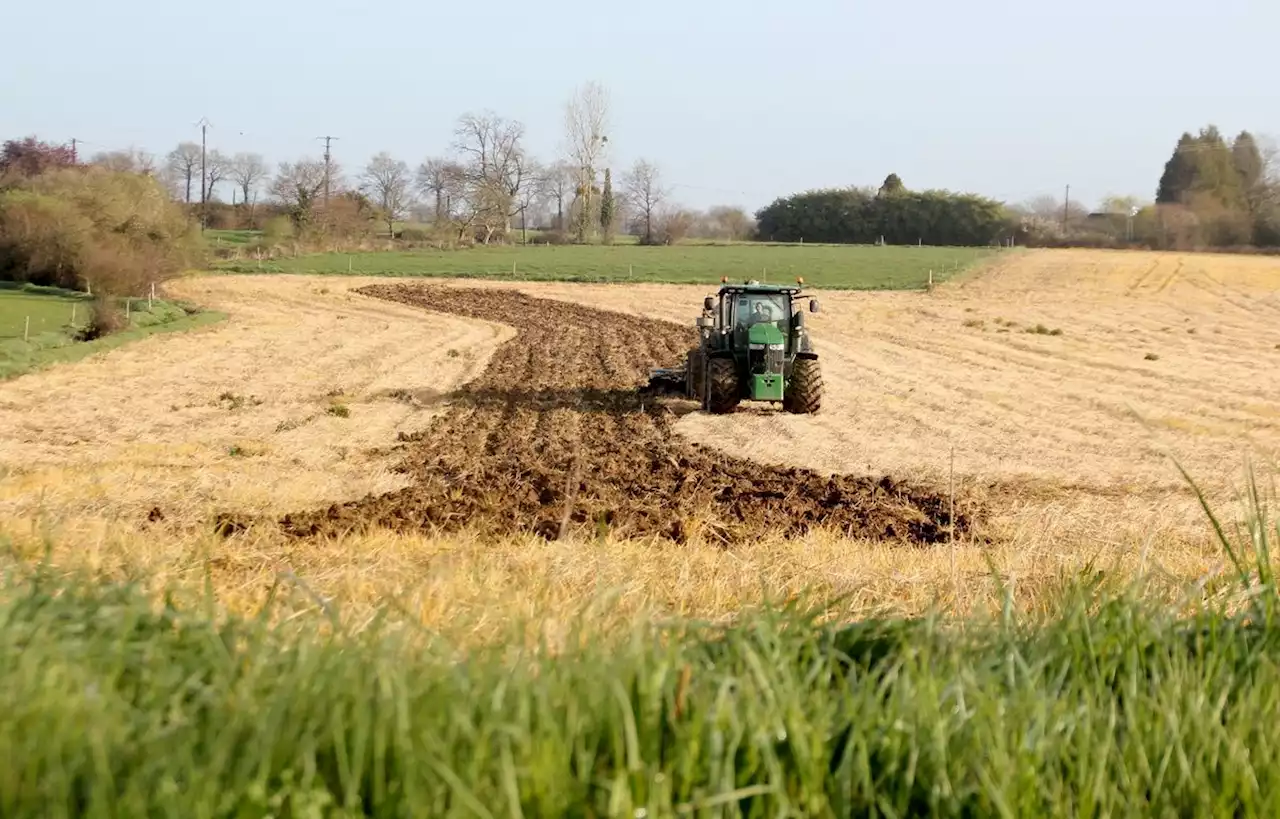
x: 555, y: 436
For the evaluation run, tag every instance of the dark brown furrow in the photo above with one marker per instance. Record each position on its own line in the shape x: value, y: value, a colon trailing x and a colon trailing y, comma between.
x: 568, y: 433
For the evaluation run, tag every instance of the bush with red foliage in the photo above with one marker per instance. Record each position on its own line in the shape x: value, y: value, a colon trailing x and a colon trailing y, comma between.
x: 30, y: 157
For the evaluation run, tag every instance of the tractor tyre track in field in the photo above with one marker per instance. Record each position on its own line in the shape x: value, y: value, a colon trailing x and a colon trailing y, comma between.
x: 555, y: 431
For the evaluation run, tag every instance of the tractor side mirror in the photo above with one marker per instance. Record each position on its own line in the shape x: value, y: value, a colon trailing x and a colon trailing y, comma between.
x: 813, y: 305
x: 709, y: 303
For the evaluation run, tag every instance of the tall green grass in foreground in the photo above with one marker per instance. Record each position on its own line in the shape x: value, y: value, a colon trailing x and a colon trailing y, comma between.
x: 1110, y: 706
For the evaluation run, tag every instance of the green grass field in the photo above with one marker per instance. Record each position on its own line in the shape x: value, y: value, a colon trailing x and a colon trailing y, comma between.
x: 1104, y: 706
x: 33, y: 311
x: 231, y: 237
x: 822, y: 266
x: 51, y: 335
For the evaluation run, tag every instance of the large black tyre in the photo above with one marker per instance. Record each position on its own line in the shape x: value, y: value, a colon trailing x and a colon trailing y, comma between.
x: 804, y: 392
x: 725, y: 390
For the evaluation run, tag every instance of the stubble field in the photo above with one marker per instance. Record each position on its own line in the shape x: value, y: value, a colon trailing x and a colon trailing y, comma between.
x: 1041, y: 395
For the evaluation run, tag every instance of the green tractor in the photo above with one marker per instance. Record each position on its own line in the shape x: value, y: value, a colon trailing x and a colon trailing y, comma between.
x: 754, y: 347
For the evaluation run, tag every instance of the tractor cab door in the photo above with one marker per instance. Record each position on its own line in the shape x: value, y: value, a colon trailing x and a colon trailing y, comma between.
x: 735, y: 317
x: 795, y: 321
x: 728, y: 306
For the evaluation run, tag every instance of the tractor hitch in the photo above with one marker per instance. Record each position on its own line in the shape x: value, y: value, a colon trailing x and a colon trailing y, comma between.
x: 665, y: 380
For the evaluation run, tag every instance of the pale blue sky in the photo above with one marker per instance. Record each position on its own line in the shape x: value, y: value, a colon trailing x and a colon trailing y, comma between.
x: 737, y: 102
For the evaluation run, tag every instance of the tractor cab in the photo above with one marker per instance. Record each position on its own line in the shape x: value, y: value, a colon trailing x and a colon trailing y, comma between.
x: 752, y: 313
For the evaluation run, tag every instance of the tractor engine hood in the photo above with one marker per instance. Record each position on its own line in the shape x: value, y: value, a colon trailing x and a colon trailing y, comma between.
x: 765, y: 362
x: 764, y: 336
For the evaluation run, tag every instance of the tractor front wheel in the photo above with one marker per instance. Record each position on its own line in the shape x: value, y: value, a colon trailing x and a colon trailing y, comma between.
x: 725, y: 392
x: 804, y: 393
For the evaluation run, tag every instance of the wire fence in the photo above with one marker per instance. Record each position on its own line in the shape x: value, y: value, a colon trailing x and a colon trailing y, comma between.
x: 26, y: 316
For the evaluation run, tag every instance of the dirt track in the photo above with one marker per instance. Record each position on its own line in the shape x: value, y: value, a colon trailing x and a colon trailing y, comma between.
x: 554, y: 431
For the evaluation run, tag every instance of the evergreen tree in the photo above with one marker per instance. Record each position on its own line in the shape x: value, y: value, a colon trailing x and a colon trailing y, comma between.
x: 1202, y: 174
x: 1250, y: 167
x: 1215, y: 171
x: 1179, y: 172
x: 1248, y: 159
x: 607, y: 207
x: 892, y: 184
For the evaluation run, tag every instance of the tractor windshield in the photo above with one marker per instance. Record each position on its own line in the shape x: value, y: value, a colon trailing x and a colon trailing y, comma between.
x: 754, y: 308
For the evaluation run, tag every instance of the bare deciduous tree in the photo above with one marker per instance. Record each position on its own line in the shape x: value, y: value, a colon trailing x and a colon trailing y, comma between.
x: 1044, y: 206
x: 642, y: 186
x: 586, y: 122
x: 386, y: 181
x: 1269, y: 149
x: 674, y: 224
x: 296, y: 185
x: 730, y: 222
x: 247, y: 172
x: 494, y: 168
x: 557, y: 183
x: 129, y: 160
x: 463, y: 208
x: 184, y: 164
x: 216, y: 168
x: 1050, y: 209
x: 531, y: 193
x: 436, y: 179
x: 1119, y: 205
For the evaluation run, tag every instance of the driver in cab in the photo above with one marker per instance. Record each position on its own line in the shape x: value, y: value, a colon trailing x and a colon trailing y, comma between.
x: 760, y: 314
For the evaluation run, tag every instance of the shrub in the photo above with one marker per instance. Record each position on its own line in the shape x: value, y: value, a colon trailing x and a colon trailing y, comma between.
x: 105, y: 318
x: 42, y: 239
x: 276, y: 230
x: 555, y: 237
x: 31, y: 157
x: 674, y: 225
x: 115, y: 232
x: 411, y: 234
x: 221, y: 216
x: 346, y: 218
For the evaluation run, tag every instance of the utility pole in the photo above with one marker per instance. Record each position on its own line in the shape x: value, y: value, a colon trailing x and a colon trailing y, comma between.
x: 204, y: 127
x: 74, y: 160
x: 326, y: 167
x: 1066, y: 209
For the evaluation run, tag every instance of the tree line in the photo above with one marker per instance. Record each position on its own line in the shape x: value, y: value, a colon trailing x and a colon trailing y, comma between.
x: 1212, y: 194
x: 486, y: 187
x: 891, y: 214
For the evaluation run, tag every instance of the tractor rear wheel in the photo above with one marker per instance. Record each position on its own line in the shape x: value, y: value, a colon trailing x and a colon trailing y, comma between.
x: 804, y: 393
x: 725, y: 392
